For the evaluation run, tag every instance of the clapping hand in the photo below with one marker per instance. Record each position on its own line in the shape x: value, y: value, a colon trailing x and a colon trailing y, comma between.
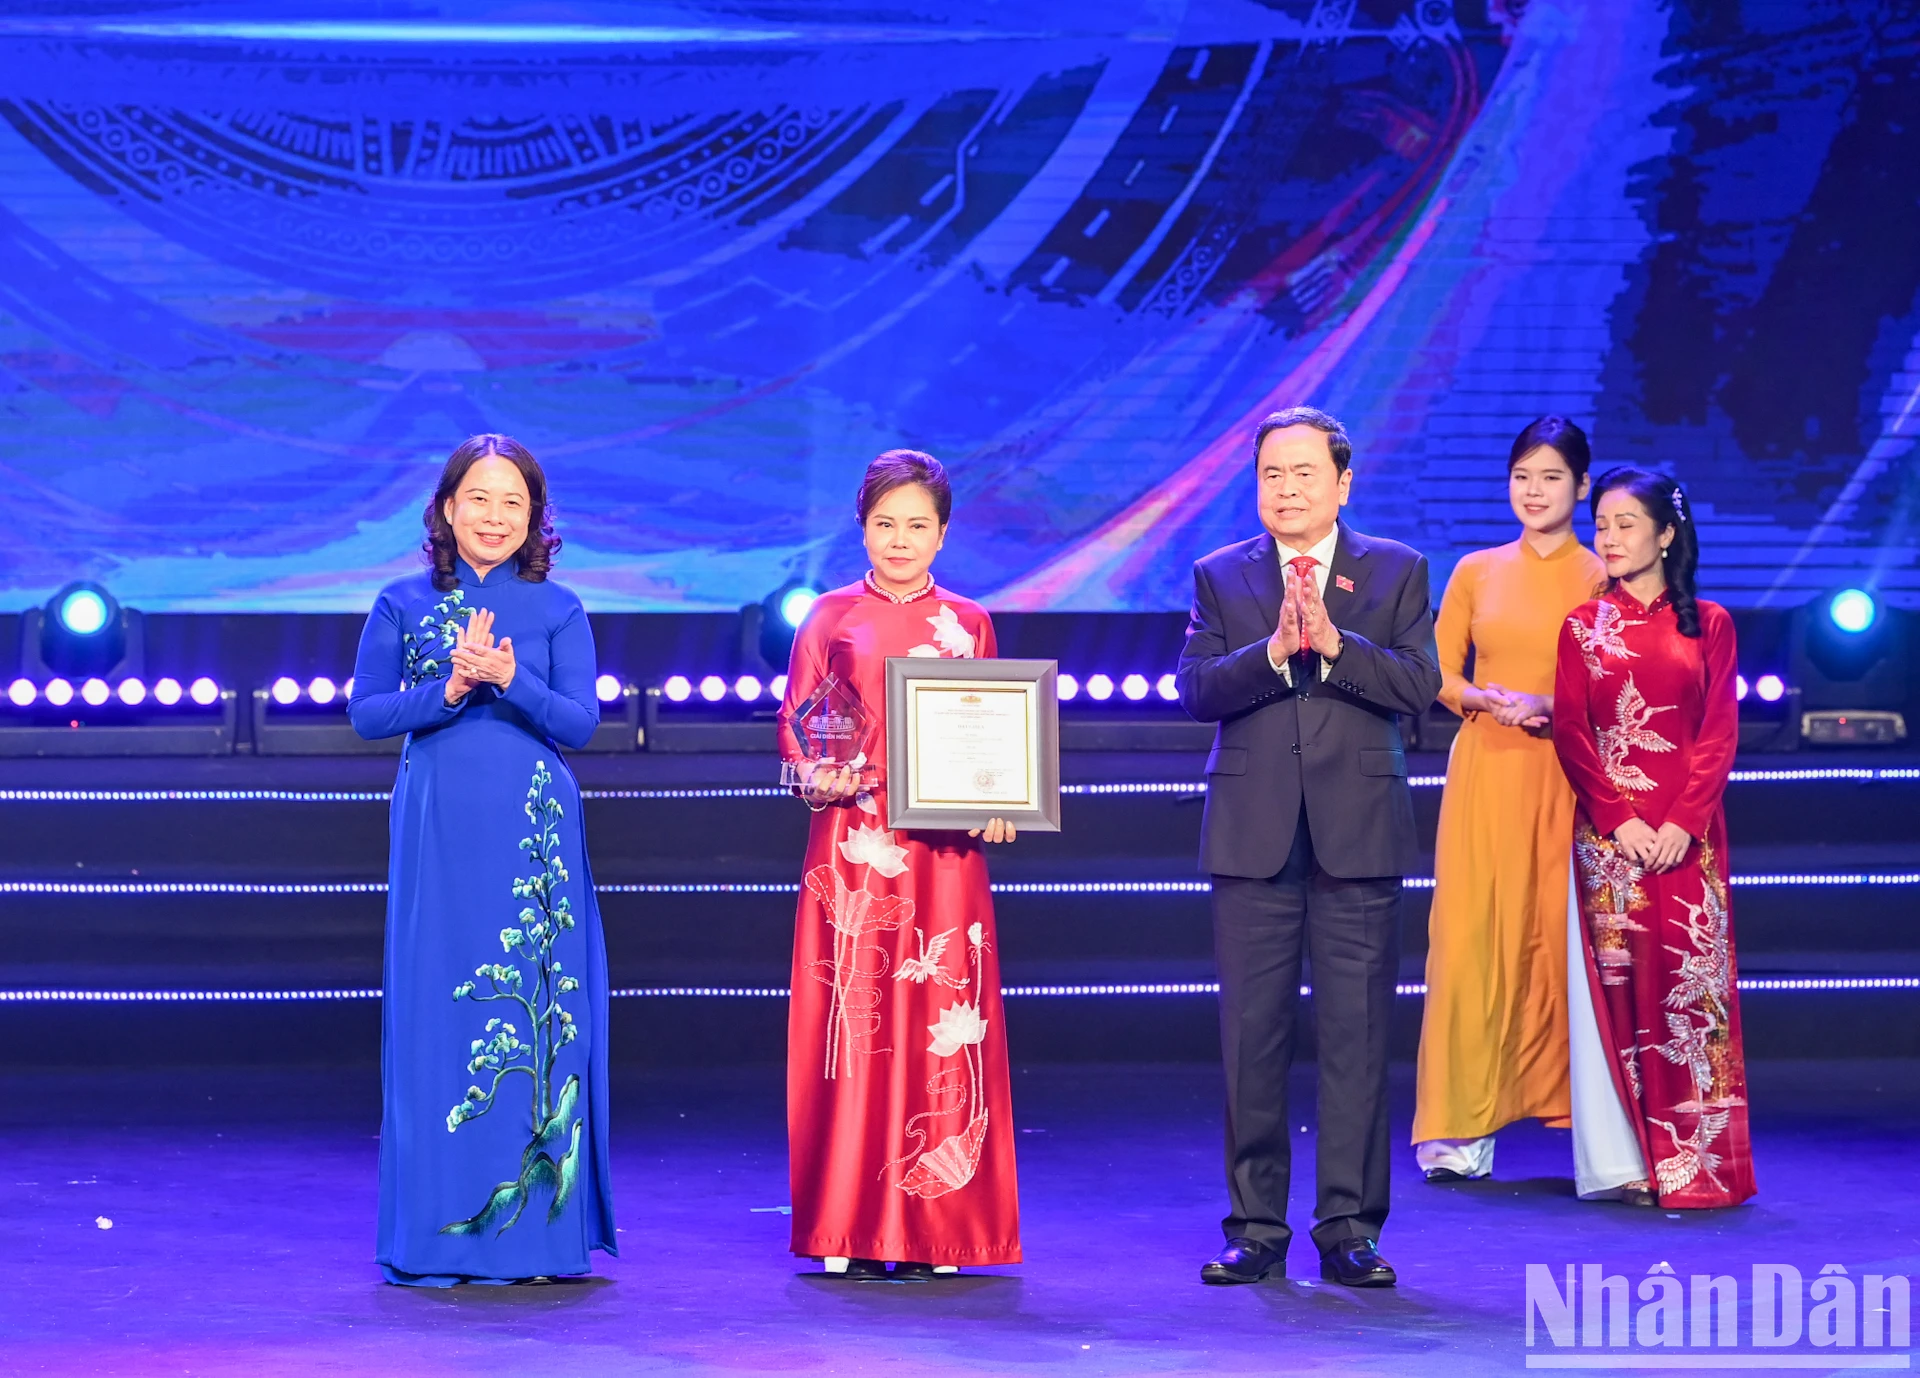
x: 997, y: 830
x: 485, y: 663
x: 1651, y: 849
x: 1286, y: 640
x: 1317, y: 628
x: 475, y: 634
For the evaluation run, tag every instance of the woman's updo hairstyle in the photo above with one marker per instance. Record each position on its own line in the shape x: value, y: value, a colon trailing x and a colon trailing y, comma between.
x: 1559, y: 435
x: 1667, y: 505
x: 536, y: 552
x: 897, y: 469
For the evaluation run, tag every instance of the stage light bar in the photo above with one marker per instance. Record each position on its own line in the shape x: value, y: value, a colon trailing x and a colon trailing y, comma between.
x: 1901, y: 879
x: 1133, y: 687
x: 1752, y: 984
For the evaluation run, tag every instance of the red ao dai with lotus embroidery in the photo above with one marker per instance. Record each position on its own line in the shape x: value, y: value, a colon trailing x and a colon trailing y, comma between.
x: 1646, y: 723
x: 899, y: 1106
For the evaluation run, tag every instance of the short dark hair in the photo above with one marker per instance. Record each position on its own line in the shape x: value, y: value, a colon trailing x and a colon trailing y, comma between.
x: 1338, y: 443
x: 897, y: 469
x: 1666, y: 504
x: 536, y: 552
x: 1559, y: 435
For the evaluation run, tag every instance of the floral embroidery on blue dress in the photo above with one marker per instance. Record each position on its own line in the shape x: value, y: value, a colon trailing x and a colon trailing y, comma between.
x: 505, y: 1053
x: 438, y: 633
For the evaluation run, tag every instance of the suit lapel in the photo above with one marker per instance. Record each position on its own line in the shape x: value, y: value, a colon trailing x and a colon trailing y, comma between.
x: 1262, y: 569
x: 1350, y: 564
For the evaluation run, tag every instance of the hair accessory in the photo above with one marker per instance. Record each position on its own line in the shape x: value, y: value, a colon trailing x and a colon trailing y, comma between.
x: 1679, y: 504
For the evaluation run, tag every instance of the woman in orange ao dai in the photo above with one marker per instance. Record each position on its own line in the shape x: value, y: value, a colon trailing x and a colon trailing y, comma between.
x: 1493, y: 1042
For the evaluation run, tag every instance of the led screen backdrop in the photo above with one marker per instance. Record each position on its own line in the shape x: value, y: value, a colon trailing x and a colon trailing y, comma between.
x: 261, y: 267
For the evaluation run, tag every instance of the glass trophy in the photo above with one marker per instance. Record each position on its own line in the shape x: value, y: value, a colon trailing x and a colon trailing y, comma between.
x: 833, y: 729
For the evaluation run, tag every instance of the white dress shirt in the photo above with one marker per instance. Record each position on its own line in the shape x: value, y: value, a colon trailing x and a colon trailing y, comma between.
x: 1321, y: 553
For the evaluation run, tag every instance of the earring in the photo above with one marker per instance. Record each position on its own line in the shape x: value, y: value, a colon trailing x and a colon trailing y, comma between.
x: 1664, y: 552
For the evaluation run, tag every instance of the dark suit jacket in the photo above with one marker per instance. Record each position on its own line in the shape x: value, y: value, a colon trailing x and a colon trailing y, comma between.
x: 1335, y: 742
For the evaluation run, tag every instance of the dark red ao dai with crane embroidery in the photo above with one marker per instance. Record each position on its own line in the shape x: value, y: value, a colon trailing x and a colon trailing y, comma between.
x: 1646, y: 722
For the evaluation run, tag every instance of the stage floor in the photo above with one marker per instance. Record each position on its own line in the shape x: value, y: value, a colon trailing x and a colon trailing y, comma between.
x: 241, y: 1205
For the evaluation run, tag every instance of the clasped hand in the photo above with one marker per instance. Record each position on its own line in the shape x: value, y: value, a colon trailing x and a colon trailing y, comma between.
x: 477, y: 660
x: 1515, y: 708
x: 1652, y: 850
x: 1303, y: 622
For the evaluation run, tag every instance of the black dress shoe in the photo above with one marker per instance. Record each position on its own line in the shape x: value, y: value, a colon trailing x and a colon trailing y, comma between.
x: 1446, y: 1174
x: 862, y: 1270
x: 1244, y: 1260
x: 913, y: 1272
x: 1356, y: 1263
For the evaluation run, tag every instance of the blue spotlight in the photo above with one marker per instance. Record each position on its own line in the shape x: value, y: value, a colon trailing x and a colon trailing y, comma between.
x: 779, y: 617
x: 1853, y: 610
x: 83, y: 631
x: 795, y: 604
x: 82, y: 610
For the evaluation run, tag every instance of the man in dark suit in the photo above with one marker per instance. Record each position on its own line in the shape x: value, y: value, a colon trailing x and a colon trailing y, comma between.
x: 1304, y: 644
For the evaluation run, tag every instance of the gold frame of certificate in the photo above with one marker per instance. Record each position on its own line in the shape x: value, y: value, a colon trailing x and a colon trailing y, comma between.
x: 973, y: 740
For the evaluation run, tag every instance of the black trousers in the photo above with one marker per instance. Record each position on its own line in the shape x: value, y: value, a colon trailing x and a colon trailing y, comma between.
x: 1350, y: 929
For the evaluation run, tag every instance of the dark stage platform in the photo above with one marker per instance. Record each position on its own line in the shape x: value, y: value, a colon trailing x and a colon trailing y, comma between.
x: 241, y: 1206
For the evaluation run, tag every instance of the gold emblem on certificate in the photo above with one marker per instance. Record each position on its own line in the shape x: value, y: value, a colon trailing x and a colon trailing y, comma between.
x: 972, y: 740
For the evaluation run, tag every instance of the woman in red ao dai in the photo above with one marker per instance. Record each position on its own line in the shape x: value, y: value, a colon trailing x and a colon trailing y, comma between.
x: 1646, y: 723
x: 899, y: 1111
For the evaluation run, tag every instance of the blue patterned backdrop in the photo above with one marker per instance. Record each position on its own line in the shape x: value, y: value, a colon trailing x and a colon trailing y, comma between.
x: 261, y: 266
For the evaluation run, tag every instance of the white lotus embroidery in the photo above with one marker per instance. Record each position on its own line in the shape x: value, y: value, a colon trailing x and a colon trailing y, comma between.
x: 874, y: 847
x: 953, y: 639
x: 960, y: 1027
x: 924, y: 652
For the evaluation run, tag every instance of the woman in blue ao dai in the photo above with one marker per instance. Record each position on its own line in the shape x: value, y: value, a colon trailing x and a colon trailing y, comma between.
x: 493, y: 1141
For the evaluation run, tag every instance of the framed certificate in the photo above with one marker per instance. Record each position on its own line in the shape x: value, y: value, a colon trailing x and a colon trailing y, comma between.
x: 972, y: 740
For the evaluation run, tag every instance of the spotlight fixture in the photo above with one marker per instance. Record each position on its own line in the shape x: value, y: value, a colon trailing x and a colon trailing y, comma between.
x: 132, y: 692
x: 1168, y: 688
x: 203, y: 691
x: 1099, y: 688
x: 747, y: 688
x: 166, y: 691
x: 607, y: 688
x: 80, y: 631
x: 1770, y: 688
x: 779, y: 615
x: 1134, y: 687
x: 1850, y: 659
x: 678, y: 688
x: 713, y: 688
x: 285, y: 690
x: 322, y: 690
x: 1067, y: 687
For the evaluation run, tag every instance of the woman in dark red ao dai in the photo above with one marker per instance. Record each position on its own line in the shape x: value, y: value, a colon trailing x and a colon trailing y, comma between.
x: 1646, y: 726
x: 899, y: 1104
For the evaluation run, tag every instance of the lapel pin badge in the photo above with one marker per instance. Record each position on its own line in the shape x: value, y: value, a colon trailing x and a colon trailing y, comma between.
x: 1344, y: 584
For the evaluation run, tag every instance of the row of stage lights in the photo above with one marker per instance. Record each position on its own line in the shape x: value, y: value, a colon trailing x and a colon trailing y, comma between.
x: 168, y: 692
x: 287, y: 691
x: 750, y: 689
